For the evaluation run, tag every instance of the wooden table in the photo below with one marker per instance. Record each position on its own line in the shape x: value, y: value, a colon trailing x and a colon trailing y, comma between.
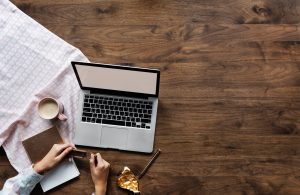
x: 229, y: 109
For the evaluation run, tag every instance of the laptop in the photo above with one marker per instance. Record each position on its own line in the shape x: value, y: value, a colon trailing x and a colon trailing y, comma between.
x: 118, y: 106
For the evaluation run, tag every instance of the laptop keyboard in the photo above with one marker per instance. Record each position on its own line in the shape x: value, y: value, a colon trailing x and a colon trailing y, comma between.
x: 117, y: 111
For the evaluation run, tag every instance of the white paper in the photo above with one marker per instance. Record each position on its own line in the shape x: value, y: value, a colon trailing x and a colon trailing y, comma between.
x: 64, y: 172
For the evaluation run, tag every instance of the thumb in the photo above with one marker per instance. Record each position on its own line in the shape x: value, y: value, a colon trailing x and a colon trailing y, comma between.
x: 92, y: 161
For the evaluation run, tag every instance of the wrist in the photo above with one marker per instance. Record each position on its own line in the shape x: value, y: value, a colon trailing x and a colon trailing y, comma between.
x: 38, y: 168
x: 100, y: 189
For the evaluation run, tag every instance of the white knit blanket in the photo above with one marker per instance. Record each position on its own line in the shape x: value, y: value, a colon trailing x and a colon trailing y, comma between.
x: 34, y: 63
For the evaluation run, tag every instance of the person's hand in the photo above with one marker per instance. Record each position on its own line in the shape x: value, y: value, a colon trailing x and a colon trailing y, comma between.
x: 99, y: 171
x: 53, y: 157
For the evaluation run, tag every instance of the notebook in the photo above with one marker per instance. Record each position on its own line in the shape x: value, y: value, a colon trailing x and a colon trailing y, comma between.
x: 38, y: 146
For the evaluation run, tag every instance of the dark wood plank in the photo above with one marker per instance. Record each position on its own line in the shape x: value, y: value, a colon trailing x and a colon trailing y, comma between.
x: 186, y: 43
x: 133, y: 12
x: 229, y: 104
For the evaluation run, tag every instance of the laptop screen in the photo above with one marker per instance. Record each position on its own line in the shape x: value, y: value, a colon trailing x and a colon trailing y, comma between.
x: 118, y: 78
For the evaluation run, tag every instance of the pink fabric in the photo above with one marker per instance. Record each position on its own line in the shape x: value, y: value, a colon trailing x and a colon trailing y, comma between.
x: 34, y: 63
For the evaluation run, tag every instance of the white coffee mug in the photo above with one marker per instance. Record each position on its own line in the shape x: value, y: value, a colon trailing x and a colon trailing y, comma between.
x: 50, y: 108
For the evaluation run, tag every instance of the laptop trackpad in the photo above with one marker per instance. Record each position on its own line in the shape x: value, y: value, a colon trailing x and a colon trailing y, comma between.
x: 114, y: 137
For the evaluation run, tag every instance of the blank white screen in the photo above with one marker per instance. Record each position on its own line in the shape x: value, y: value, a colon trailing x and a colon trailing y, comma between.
x: 117, y: 79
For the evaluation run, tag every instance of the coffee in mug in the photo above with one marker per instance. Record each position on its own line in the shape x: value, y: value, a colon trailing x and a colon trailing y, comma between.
x: 50, y: 108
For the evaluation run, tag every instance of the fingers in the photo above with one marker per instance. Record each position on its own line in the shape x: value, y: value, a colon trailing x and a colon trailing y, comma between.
x: 99, y: 159
x: 101, y: 162
x: 60, y: 147
x: 65, y: 152
x: 73, y: 145
x: 106, y: 164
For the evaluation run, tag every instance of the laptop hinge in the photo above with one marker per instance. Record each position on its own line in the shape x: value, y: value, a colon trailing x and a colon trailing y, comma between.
x: 119, y: 93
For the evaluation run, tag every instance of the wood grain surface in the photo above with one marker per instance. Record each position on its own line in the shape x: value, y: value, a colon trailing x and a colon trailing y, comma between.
x: 229, y: 106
